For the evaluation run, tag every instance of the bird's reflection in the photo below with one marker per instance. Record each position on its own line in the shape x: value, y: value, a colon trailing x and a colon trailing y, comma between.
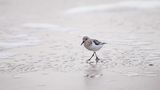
x: 93, y: 71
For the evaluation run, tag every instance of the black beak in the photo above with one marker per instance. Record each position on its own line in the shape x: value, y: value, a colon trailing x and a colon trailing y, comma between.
x: 82, y: 42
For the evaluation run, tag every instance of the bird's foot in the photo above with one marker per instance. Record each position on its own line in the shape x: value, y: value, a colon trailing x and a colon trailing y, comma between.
x: 91, y: 63
x: 87, y: 61
x: 97, y: 59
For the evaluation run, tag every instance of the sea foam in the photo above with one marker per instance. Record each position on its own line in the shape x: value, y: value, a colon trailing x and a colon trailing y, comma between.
x: 119, y: 6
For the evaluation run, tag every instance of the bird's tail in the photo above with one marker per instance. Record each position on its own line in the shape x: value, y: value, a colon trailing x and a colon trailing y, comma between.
x: 104, y: 43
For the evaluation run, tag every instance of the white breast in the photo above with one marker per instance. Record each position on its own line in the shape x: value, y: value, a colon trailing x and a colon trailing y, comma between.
x: 94, y: 47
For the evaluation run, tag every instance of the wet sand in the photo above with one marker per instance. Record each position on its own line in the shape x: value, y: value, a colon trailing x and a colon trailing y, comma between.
x: 49, y: 80
x: 40, y: 45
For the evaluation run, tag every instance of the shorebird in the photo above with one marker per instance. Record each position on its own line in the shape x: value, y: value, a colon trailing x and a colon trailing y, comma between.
x: 92, y: 45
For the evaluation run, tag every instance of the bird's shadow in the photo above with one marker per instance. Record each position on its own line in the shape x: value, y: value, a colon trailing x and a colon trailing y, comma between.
x: 93, y: 71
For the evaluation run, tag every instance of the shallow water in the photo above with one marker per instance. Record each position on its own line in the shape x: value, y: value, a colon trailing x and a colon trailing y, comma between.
x: 36, y: 38
x: 40, y: 44
x: 117, y: 7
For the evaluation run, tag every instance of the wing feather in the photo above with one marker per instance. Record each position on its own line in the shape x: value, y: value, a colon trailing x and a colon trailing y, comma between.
x: 97, y: 42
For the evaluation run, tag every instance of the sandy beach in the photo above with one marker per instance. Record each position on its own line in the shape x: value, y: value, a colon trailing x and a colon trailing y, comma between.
x: 40, y: 44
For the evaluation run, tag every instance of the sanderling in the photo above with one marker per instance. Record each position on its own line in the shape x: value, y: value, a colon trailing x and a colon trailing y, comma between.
x: 92, y: 45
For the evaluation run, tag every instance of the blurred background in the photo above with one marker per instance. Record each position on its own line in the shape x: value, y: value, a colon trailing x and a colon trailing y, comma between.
x: 39, y: 35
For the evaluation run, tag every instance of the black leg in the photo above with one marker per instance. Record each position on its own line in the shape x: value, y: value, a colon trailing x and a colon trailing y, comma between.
x: 97, y: 59
x: 90, y: 58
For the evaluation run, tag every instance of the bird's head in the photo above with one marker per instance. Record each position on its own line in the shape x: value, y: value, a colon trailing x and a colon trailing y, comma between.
x: 84, y: 39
